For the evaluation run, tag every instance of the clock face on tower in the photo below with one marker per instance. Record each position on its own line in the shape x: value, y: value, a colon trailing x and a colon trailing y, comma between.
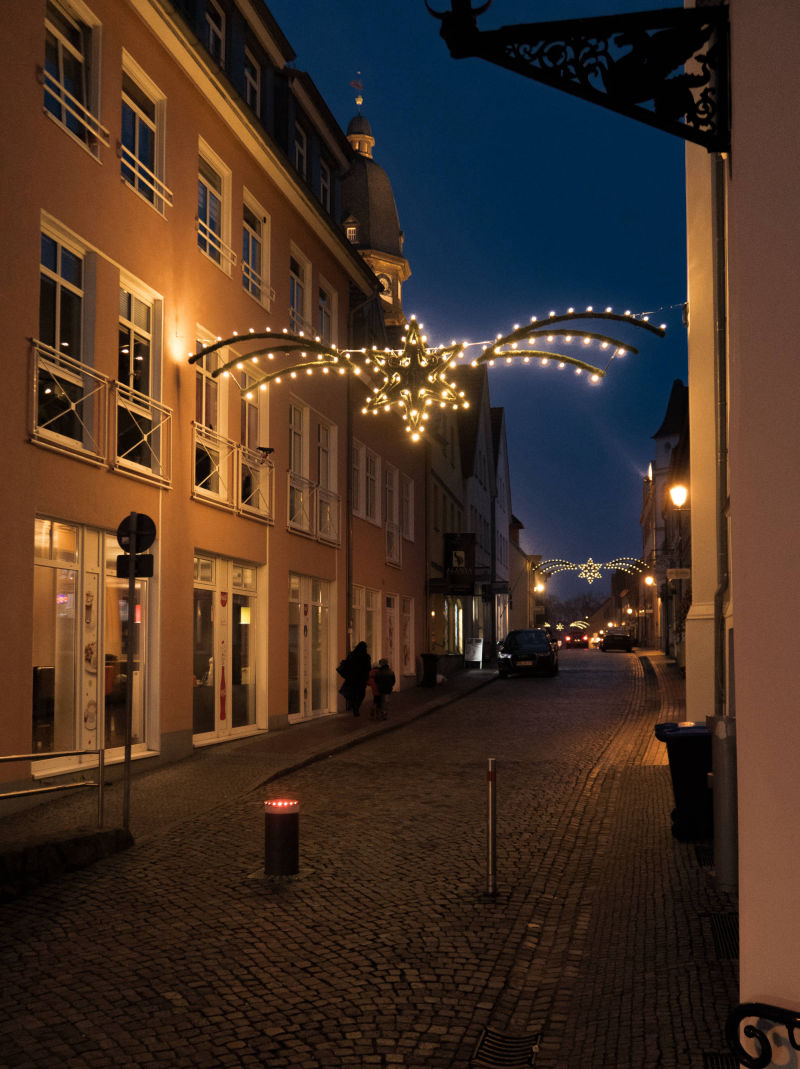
x: 386, y: 286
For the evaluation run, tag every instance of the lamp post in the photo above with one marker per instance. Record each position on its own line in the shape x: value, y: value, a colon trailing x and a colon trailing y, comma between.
x: 680, y: 573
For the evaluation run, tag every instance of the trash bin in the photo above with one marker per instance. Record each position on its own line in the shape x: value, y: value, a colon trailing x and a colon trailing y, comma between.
x: 430, y: 662
x: 689, y: 753
x: 281, y: 837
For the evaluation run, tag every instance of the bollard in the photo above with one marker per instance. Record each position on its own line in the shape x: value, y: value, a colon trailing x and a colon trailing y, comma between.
x: 491, y: 852
x: 281, y: 837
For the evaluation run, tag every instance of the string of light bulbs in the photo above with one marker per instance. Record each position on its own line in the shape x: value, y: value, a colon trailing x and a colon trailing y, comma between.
x: 416, y: 380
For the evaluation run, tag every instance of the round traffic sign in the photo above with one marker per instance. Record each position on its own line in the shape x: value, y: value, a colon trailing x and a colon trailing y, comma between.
x: 142, y: 526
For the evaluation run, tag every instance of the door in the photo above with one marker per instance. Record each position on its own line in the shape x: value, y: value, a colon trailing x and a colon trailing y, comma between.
x: 310, y: 691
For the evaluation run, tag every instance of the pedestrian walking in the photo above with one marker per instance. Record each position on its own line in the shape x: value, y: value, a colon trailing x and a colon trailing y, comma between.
x: 381, y: 682
x: 355, y: 670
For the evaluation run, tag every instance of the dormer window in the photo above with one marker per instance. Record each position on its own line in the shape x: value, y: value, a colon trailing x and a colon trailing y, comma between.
x: 351, y: 231
x: 215, y: 31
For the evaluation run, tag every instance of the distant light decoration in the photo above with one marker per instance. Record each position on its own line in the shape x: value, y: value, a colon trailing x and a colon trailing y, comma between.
x: 590, y: 570
x: 581, y: 625
x: 416, y: 380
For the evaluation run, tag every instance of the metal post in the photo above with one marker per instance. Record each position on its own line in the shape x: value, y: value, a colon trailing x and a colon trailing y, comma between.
x: 491, y: 853
x: 126, y: 798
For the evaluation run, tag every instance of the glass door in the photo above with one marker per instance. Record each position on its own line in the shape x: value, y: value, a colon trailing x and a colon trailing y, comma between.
x: 310, y: 691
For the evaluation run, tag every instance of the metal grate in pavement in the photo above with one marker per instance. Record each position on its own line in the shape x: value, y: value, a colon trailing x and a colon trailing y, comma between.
x: 719, y: 1061
x: 725, y: 931
x: 496, y: 1050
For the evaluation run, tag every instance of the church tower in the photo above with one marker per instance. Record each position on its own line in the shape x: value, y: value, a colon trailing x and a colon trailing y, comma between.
x: 371, y: 222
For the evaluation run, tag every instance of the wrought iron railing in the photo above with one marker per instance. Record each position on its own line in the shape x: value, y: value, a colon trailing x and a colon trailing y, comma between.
x: 214, y: 247
x: 255, y: 285
x: 764, y: 1047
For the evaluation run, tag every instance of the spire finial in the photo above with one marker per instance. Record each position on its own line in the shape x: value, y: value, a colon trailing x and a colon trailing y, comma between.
x: 358, y: 86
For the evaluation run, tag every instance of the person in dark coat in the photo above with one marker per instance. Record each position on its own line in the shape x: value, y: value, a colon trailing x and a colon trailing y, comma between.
x: 355, y: 668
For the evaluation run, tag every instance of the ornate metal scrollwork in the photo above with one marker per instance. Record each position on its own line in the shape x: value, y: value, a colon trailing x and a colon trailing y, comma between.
x: 762, y: 1012
x: 666, y: 68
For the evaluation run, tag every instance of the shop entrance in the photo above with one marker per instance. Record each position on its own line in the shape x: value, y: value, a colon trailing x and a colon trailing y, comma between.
x: 223, y: 648
x: 310, y: 689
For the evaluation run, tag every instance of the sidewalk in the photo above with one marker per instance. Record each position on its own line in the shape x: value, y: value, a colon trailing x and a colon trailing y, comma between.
x: 61, y: 834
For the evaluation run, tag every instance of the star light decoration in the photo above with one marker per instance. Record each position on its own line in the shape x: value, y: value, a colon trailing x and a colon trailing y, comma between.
x: 591, y: 570
x: 416, y: 379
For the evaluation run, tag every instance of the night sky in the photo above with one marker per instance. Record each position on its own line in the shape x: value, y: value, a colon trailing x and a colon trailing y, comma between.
x: 516, y: 200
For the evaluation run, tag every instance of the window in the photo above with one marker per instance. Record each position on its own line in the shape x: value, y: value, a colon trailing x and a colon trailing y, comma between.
x: 134, y: 421
x: 299, y: 485
x: 209, y: 211
x: 298, y: 271
x: 215, y: 31
x: 213, y: 200
x: 351, y: 232
x: 324, y: 314
x: 371, y: 485
x: 252, y: 81
x: 325, y: 185
x: 70, y: 79
x: 407, y: 507
x: 208, y: 451
x: 252, y: 253
x: 390, y: 512
x: 327, y: 500
x: 301, y: 151
x: 357, y: 475
x: 141, y: 145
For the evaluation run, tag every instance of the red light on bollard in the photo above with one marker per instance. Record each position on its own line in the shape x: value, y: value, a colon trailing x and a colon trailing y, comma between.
x: 281, y: 837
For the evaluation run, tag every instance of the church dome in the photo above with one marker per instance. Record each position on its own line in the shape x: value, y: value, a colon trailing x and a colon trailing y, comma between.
x: 367, y: 196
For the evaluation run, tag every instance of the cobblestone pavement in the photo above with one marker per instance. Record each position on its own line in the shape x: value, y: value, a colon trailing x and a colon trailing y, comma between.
x: 384, y: 950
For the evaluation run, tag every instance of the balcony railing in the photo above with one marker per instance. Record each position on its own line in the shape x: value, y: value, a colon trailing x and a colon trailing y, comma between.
x: 143, y: 180
x: 214, y: 247
x: 327, y: 513
x: 256, y: 484
x: 71, y: 113
x: 69, y: 404
x: 298, y: 324
x: 215, y: 464
x: 254, y: 284
x: 393, y: 544
x: 143, y: 434
x: 300, y: 499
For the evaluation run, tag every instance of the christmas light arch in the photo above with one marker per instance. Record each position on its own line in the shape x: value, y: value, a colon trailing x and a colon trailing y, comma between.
x: 590, y: 570
x: 417, y: 379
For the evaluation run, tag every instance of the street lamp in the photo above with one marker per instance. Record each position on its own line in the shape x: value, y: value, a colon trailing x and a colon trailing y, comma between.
x: 679, y: 495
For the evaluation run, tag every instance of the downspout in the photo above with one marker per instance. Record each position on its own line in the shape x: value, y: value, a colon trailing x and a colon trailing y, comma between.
x: 723, y: 722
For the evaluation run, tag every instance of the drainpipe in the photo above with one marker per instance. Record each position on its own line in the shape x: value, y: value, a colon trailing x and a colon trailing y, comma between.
x: 723, y: 722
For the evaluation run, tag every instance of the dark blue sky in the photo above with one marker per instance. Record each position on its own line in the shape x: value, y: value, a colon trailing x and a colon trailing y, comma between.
x: 516, y: 200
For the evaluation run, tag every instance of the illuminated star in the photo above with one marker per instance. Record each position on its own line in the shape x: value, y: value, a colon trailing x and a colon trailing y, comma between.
x: 415, y: 380
x: 590, y: 571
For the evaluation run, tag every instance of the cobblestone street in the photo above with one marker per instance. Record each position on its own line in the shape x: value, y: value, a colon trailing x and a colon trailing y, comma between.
x: 384, y: 950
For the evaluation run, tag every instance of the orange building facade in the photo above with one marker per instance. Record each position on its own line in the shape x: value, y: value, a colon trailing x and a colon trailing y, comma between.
x: 175, y: 182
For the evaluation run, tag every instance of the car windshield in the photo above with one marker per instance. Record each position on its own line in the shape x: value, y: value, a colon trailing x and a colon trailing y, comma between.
x: 527, y: 641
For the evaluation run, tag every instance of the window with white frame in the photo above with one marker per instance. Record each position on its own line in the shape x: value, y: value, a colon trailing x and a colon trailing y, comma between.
x: 213, y: 209
x: 325, y: 185
x: 255, y: 250
x: 390, y: 500
x: 299, y: 485
x: 357, y: 479
x: 214, y: 27
x: 325, y: 306
x: 208, y: 457
x: 255, y: 471
x: 252, y: 81
x: 142, y: 136
x: 327, y: 509
x: 135, y: 422
x: 298, y: 274
x: 372, y: 467
x: 71, y: 69
x: 366, y: 618
x: 300, y: 151
x: 407, y: 507
x: 406, y: 636
x: 68, y: 396
x: 351, y: 232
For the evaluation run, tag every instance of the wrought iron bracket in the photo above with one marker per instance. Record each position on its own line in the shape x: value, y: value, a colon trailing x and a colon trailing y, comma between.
x: 667, y: 68
x: 762, y: 1012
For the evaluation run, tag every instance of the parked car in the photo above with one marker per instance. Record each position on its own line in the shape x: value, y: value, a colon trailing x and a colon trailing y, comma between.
x: 530, y: 651
x: 616, y: 638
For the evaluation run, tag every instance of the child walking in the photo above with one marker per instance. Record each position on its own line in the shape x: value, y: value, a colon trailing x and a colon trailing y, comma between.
x: 381, y: 682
